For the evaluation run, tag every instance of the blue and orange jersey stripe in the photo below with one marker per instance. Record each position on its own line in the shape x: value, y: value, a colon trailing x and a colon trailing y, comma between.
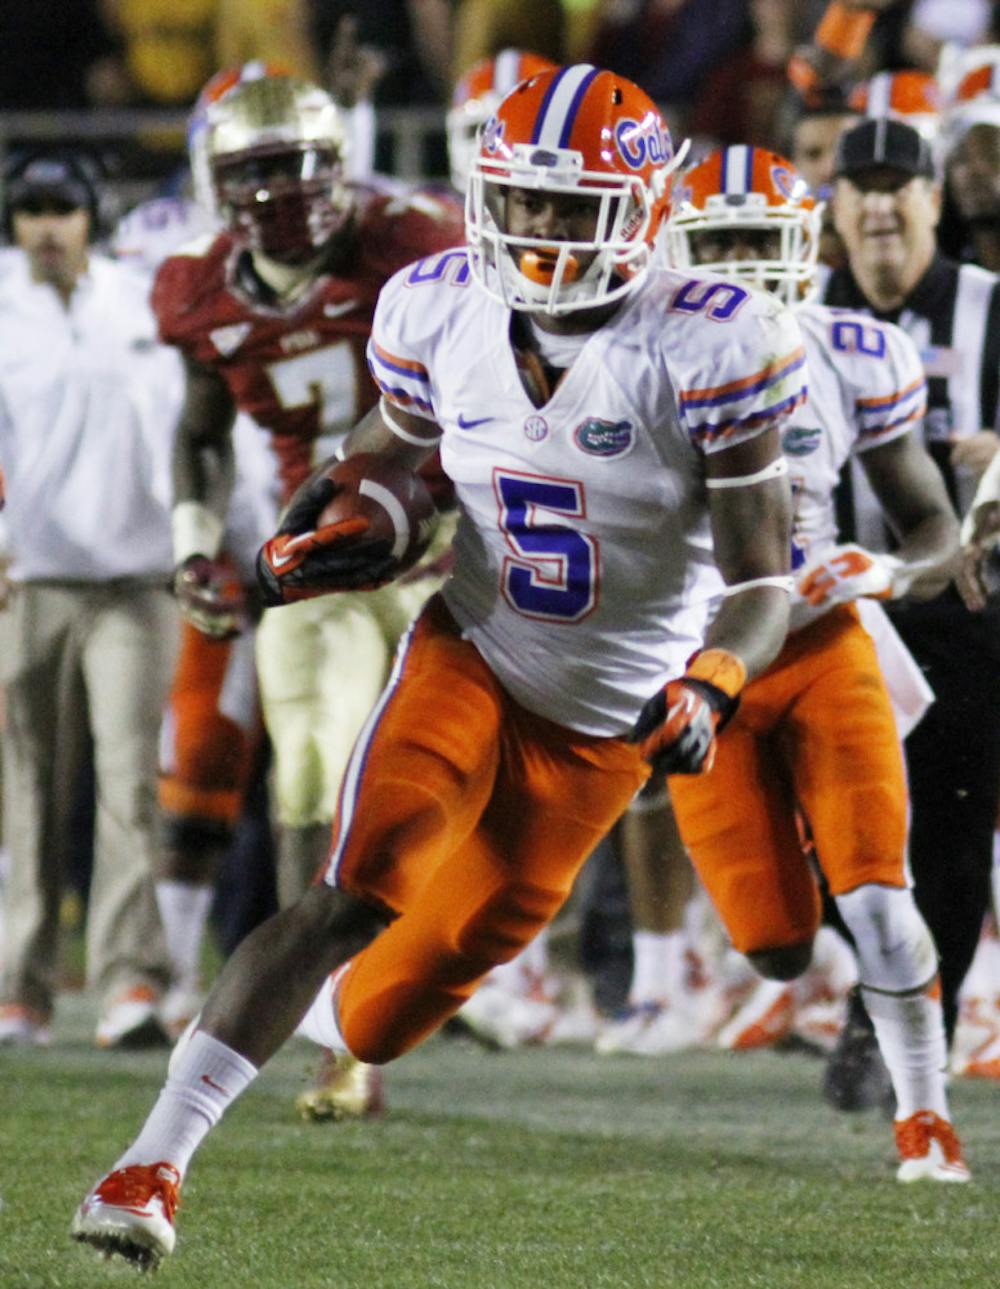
x: 735, y: 390
x: 708, y: 432
x: 919, y: 386
x: 394, y: 363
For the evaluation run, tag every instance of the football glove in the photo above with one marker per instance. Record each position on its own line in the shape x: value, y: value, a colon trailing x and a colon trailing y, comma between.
x: 848, y: 573
x: 676, y: 729
x: 211, y: 597
x: 302, y: 561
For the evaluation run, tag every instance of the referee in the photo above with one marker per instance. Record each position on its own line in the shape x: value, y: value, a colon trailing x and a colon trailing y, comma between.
x: 886, y: 206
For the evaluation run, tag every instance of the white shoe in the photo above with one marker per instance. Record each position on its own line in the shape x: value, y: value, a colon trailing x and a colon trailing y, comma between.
x: 178, y: 1008
x: 764, y: 1019
x: 577, y: 1021
x: 502, y: 1019
x: 23, y: 1027
x: 131, y: 1213
x: 650, y: 1029
x: 130, y: 1021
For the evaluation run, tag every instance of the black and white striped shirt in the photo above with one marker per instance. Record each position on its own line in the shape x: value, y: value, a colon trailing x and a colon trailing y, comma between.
x: 953, y: 317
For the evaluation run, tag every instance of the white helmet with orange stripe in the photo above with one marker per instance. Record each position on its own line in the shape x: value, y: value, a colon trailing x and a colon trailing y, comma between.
x: 477, y: 96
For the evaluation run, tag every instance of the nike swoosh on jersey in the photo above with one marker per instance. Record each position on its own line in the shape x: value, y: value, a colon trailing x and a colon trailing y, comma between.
x: 338, y: 310
x: 463, y: 424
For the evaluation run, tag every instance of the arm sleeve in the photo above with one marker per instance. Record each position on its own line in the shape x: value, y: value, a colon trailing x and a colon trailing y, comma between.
x: 745, y: 373
x: 399, y: 349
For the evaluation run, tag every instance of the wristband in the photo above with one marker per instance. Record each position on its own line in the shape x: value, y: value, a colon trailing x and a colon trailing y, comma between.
x: 720, y: 668
x: 194, y: 530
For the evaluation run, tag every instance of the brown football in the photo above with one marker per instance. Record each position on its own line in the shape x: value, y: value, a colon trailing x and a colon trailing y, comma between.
x: 394, y: 500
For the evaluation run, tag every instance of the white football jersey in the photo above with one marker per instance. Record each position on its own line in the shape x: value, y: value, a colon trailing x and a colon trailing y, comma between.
x: 584, y: 568
x: 157, y: 228
x: 866, y: 387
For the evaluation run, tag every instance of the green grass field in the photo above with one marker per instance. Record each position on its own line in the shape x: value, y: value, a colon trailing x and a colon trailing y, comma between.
x: 528, y: 1170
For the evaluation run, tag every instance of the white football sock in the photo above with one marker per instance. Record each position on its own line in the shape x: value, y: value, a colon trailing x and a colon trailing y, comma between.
x: 910, y: 1033
x: 184, y: 910
x: 658, y: 970
x: 203, y: 1079
x: 319, y: 1024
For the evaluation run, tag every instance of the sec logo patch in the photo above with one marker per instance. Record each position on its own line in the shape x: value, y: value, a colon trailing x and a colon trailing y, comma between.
x: 536, y: 428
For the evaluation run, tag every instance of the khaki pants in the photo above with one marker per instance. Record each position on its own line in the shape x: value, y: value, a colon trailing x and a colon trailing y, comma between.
x: 78, y: 657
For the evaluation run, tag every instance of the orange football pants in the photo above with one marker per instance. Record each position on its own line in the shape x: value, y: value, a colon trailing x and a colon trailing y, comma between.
x: 815, y: 732
x: 467, y: 818
x: 206, y: 757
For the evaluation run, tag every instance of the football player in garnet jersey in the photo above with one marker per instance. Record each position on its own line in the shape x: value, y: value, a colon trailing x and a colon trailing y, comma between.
x: 816, y: 729
x: 272, y: 315
x: 612, y: 429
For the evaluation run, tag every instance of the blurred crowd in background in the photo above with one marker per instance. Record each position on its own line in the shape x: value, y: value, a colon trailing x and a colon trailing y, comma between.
x: 717, y: 67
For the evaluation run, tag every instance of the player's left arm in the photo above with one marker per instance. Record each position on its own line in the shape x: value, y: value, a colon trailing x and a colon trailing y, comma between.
x: 913, y: 497
x: 751, y: 513
x: 750, y: 504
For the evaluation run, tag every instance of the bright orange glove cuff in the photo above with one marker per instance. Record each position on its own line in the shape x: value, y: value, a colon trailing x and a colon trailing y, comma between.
x: 720, y: 668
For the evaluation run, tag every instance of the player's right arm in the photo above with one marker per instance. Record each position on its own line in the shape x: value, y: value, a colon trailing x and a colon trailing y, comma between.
x: 203, y: 475
x: 308, y: 558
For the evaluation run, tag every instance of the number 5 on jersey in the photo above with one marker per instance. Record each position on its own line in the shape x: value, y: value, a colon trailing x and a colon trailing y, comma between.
x: 554, y: 571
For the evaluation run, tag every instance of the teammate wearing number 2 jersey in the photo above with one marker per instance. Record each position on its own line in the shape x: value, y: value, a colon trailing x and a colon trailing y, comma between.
x: 815, y: 730
x: 612, y: 430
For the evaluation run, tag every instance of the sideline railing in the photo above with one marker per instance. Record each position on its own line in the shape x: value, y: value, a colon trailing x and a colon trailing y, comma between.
x: 405, y: 133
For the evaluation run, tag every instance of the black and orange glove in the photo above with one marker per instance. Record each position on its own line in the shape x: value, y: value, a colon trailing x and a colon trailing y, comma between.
x: 212, y: 597
x: 302, y: 561
x: 676, y: 729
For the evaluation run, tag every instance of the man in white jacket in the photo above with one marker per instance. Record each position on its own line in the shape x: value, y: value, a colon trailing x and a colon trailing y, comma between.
x: 86, y: 400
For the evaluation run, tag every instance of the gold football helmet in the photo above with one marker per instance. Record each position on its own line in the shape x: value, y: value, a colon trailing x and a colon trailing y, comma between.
x: 275, y: 150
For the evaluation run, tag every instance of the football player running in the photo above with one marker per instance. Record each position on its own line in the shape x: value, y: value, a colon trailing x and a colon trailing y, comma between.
x: 816, y: 731
x: 613, y: 433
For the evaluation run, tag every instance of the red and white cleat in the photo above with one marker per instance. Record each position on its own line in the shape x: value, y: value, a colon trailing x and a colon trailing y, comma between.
x: 929, y: 1150
x: 131, y: 1213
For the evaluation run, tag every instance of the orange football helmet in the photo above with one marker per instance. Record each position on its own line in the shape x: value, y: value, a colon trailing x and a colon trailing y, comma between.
x: 745, y: 189
x: 477, y: 96
x: 910, y: 96
x: 576, y: 131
